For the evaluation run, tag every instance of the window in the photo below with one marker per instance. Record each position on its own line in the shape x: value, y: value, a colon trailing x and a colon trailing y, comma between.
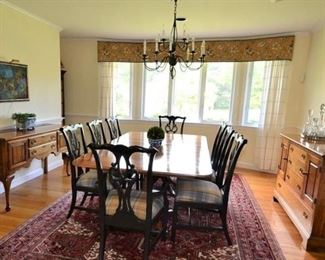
x: 218, y: 91
x: 186, y: 94
x: 256, y: 87
x: 156, y: 93
x: 121, y: 94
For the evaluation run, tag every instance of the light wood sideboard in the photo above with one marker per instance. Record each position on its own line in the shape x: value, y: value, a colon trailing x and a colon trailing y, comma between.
x: 17, y: 149
x: 300, y: 188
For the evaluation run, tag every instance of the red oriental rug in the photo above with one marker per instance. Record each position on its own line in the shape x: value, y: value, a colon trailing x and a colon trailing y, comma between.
x: 49, y: 235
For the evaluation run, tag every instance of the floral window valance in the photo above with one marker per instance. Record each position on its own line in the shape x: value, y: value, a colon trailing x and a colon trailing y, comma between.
x: 272, y: 48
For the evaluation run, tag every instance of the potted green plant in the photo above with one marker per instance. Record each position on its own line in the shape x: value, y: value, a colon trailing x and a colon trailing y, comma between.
x: 24, y: 121
x: 155, y: 136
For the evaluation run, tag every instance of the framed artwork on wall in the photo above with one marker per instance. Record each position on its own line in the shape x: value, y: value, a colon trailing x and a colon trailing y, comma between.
x: 13, y: 82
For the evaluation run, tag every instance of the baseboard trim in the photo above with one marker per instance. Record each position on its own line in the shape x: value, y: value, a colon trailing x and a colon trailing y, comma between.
x: 18, y: 180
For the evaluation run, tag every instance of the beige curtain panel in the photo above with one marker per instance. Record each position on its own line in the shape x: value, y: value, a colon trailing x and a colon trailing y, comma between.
x: 273, y: 48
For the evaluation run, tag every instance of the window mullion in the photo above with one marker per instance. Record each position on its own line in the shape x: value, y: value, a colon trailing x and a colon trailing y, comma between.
x: 201, y: 93
x: 248, y: 87
x: 171, y: 93
x: 238, y: 93
x: 137, y: 90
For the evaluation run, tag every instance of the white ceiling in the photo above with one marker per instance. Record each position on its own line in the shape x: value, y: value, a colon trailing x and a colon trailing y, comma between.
x: 144, y: 19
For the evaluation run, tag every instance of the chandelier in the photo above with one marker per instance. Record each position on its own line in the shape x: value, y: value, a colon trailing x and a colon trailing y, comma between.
x: 173, y: 51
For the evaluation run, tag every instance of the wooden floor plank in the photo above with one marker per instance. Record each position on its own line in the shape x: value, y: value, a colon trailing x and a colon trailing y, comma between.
x: 30, y: 198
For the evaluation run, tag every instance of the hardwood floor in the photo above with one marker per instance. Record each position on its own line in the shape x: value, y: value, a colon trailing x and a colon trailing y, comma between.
x: 30, y: 198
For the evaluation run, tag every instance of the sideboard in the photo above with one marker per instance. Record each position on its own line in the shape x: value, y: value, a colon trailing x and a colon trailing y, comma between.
x: 18, y: 148
x: 300, y: 188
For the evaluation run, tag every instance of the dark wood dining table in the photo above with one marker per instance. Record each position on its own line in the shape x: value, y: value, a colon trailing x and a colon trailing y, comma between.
x: 180, y: 155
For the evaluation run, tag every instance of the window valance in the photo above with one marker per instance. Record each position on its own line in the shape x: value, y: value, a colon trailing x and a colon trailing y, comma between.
x: 272, y: 48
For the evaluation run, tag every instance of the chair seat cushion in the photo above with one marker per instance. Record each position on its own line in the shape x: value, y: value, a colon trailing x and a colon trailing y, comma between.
x: 89, y: 180
x: 138, y: 200
x: 198, y: 191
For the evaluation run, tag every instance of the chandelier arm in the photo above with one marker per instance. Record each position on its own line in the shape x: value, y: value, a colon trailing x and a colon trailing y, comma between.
x: 150, y: 68
x: 160, y: 65
x: 188, y: 64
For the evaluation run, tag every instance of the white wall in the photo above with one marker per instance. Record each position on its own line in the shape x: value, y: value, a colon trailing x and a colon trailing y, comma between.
x: 296, y: 86
x: 79, y: 58
x: 314, y: 91
x: 85, y: 51
x: 35, y: 43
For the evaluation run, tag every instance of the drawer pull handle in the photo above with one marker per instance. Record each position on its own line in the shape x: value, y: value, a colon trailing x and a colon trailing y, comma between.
x: 288, y: 176
x: 291, y: 149
x: 303, y: 156
x: 32, y: 142
x: 33, y: 152
x: 305, y: 215
x: 298, y: 186
x: 301, y: 171
x: 290, y: 161
x: 279, y: 184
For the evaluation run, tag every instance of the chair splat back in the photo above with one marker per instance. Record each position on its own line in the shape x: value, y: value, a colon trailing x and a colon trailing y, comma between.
x: 113, y: 127
x: 217, y: 140
x: 75, y: 140
x: 97, y: 132
x: 221, y: 155
x: 171, y: 125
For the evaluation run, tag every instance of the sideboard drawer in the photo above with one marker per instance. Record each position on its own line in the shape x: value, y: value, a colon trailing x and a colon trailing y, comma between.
x: 297, y: 154
x: 42, y: 139
x: 295, y: 181
x: 44, y: 149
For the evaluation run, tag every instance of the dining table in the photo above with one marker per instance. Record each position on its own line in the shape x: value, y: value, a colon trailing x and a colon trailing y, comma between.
x: 180, y: 155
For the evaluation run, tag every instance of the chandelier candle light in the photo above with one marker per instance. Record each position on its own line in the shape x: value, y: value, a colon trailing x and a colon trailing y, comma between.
x: 175, y: 50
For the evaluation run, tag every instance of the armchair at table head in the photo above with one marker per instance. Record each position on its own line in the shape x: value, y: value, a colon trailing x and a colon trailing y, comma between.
x: 206, y: 195
x: 97, y: 132
x: 125, y: 207
x: 171, y: 125
x: 81, y: 180
x: 113, y: 127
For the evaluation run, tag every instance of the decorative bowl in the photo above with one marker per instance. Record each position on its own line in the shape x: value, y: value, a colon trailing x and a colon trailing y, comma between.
x: 155, y: 142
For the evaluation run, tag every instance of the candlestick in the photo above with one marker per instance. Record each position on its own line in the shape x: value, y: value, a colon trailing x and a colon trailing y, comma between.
x: 193, y: 44
x: 144, y: 47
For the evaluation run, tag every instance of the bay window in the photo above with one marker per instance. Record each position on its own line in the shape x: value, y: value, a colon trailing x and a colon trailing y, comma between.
x: 215, y: 93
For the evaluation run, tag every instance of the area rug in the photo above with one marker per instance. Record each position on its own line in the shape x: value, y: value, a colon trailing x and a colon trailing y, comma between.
x: 49, y: 235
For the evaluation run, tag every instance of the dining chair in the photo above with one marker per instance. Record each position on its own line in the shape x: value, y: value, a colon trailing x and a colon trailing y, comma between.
x: 217, y: 140
x: 125, y: 207
x: 113, y: 127
x: 171, y: 124
x: 219, y: 161
x: 83, y: 180
x: 208, y: 196
x: 97, y: 132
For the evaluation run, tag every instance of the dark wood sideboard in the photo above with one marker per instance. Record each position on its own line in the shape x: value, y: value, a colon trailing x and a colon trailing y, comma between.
x: 300, y: 188
x: 17, y: 149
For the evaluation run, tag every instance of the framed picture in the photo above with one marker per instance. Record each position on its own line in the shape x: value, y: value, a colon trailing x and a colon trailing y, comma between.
x: 13, y: 82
